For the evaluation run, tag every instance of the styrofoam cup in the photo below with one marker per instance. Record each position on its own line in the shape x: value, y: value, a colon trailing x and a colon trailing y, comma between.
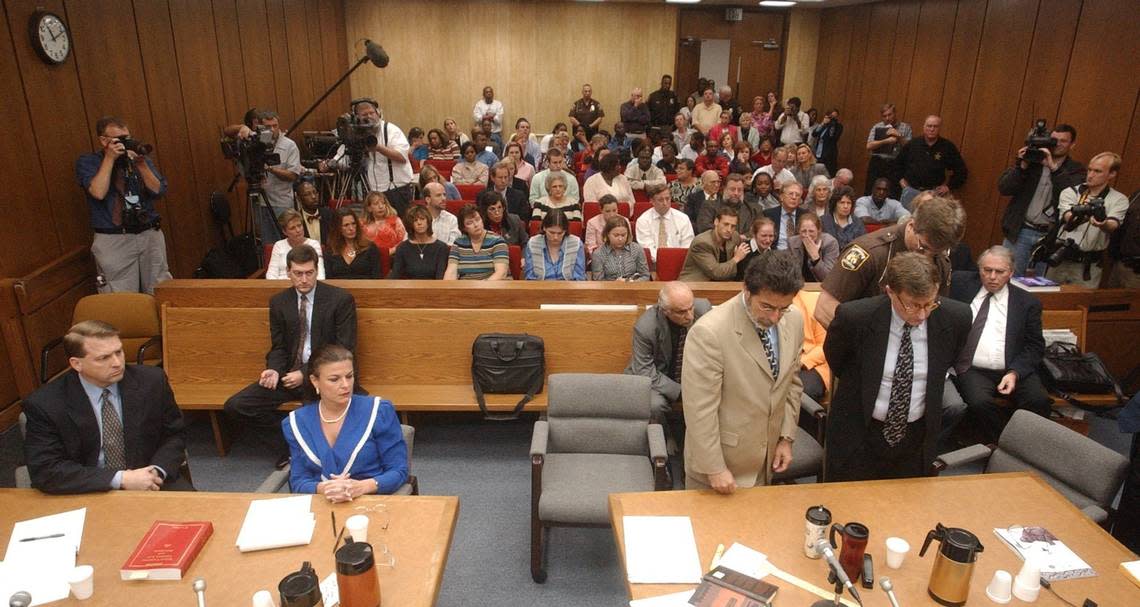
x: 1000, y: 587
x: 357, y: 526
x: 1027, y: 584
x: 896, y: 551
x: 82, y: 581
x: 262, y: 598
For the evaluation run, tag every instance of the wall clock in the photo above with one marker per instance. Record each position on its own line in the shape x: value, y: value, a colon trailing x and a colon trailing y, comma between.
x: 50, y: 37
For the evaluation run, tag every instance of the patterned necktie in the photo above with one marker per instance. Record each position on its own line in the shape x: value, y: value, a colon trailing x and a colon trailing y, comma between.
x: 894, y: 427
x: 114, y: 452
x: 662, y: 232
x: 679, y: 354
x: 966, y: 358
x: 789, y: 228
x: 302, y: 333
x: 772, y: 362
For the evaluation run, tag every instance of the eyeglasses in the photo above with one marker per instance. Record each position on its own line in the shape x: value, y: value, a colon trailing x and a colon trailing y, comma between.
x: 912, y: 308
x: 767, y: 309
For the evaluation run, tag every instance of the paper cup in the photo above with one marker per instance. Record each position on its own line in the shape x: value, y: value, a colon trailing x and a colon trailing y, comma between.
x: 1027, y: 584
x: 82, y: 581
x: 896, y: 551
x: 1000, y: 587
x: 262, y: 598
x: 357, y: 526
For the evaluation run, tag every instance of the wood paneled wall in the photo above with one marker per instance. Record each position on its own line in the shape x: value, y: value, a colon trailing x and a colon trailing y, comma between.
x: 176, y: 71
x: 536, y: 54
x: 761, y: 70
x: 988, y: 68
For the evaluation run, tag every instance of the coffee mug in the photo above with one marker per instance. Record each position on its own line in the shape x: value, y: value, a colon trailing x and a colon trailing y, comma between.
x: 854, y: 545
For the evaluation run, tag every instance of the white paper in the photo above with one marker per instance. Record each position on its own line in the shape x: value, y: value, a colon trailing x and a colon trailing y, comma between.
x: 1057, y: 561
x: 742, y: 559
x: 40, y: 568
x: 661, y: 550
x: 676, y: 599
x: 277, y: 523
x: 330, y: 592
x: 69, y: 523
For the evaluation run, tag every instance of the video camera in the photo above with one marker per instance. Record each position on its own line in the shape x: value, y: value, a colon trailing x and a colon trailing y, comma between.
x: 252, y: 154
x: 357, y: 137
x: 1038, y: 140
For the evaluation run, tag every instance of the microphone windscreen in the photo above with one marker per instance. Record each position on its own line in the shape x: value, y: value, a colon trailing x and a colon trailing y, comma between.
x: 376, y: 53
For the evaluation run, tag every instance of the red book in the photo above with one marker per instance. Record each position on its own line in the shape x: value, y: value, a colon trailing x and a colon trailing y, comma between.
x: 166, y: 551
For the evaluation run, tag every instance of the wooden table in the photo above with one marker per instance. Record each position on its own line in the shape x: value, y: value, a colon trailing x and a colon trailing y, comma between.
x: 419, y: 536
x: 771, y: 520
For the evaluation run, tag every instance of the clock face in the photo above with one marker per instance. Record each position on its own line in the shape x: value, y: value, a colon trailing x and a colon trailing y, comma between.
x: 52, y: 39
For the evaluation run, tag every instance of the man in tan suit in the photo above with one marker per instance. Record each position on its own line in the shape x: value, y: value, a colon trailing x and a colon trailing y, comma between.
x: 740, y: 386
x: 714, y: 253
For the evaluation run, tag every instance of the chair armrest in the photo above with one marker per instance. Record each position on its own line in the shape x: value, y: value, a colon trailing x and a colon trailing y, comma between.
x: 657, y: 449
x: 45, y: 353
x: 275, y: 481
x: 813, y: 408
x: 23, y: 478
x: 150, y: 343
x: 539, y: 440
x: 1096, y: 513
x: 963, y: 456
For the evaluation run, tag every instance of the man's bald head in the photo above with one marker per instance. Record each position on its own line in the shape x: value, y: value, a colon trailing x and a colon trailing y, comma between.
x: 676, y: 301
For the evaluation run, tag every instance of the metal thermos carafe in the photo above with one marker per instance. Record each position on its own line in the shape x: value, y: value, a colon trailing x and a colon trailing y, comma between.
x: 953, y: 565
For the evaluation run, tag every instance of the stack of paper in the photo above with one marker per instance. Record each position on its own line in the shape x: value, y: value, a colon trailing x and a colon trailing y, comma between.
x: 41, y: 555
x: 1057, y: 561
x: 661, y: 550
x: 1064, y: 336
x: 277, y: 523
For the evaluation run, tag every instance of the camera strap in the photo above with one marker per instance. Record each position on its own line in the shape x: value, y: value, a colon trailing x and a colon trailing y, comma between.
x: 388, y: 161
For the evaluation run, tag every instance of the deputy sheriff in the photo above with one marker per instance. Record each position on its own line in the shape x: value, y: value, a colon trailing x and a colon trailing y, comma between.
x: 935, y: 227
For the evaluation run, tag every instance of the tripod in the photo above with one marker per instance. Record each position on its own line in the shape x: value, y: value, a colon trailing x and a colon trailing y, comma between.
x: 352, y: 183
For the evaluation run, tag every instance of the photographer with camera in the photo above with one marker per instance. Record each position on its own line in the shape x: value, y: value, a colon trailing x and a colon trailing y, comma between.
x: 380, y: 148
x: 1043, y: 169
x: 269, y: 161
x: 122, y: 184
x: 1089, y: 213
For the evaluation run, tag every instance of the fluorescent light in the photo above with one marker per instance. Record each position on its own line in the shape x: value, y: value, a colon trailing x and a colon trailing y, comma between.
x: 777, y: 3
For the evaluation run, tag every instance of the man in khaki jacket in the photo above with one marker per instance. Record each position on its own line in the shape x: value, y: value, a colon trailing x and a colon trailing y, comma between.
x: 740, y: 382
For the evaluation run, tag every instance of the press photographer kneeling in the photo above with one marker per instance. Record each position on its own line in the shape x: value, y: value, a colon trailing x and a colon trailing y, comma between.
x: 122, y: 184
x: 1089, y: 213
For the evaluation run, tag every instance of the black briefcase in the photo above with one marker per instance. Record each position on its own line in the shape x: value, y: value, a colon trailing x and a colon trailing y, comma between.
x: 506, y: 363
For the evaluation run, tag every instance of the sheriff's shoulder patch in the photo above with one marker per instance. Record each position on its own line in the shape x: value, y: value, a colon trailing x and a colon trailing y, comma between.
x: 854, y: 258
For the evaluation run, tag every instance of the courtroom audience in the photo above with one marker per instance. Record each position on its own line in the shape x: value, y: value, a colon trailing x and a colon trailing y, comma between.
x: 619, y: 257
x: 763, y: 240
x: 815, y: 251
x: 715, y: 253
x: 372, y: 458
x: 554, y: 253
x: 291, y: 226
x: 815, y: 374
x: 597, y: 224
x: 430, y: 174
x: 497, y: 220
x: 742, y: 159
x: 350, y: 253
x: 662, y: 225
x: 681, y: 131
x: 841, y: 222
x: 668, y: 158
x: 440, y: 147
x: 819, y: 195
x: 760, y: 192
x: 556, y: 199
x: 712, y: 159
x: 643, y: 172
x: 469, y: 170
x: 382, y: 223
x: 524, y: 170
x: 422, y: 255
x: 806, y: 167
x: 477, y: 254
x: 686, y: 182
x: 452, y: 132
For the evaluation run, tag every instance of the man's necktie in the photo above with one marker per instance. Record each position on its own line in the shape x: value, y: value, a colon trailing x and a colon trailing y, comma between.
x: 302, y: 333
x: 662, y: 232
x: 114, y: 451
x: 769, y: 352
x: 966, y: 357
x: 894, y: 427
x: 679, y: 354
x: 789, y: 226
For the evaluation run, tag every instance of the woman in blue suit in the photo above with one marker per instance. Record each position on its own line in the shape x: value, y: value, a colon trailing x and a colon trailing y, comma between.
x: 344, y: 445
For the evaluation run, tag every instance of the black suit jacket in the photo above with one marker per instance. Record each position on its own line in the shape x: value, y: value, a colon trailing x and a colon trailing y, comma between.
x: 327, y: 223
x: 774, y: 214
x: 695, y: 202
x: 1024, y: 344
x: 63, y: 442
x: 856, y: 347
x: 517, y: 202
x: 334, y: 321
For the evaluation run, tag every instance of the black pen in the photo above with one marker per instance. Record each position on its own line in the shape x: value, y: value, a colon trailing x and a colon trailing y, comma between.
x: 42, y: 537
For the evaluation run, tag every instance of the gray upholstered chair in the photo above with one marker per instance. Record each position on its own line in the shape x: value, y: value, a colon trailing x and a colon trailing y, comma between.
x: 807, y: 451
x: 278, y: 480
x: 1084, y: 471
x: 596, y: 440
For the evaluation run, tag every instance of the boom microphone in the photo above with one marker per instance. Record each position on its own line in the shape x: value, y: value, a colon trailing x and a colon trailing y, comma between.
x: 376, y: 53
x: 824, y: 548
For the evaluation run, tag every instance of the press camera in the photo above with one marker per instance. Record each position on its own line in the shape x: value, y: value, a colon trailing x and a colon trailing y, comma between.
x: 1039, y: 140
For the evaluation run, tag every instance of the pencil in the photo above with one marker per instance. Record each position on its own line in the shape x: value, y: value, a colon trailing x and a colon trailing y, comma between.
x: 333, y: 515
x: 716, y: 556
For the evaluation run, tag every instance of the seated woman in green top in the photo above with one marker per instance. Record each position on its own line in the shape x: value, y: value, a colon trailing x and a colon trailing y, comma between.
x: 477, y: 254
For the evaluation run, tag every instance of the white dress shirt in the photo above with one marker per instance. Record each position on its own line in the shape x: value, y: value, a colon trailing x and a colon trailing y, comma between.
x: 778, y: 179
x: 482, y: 108
x: 445, y: 227
x: 678, y: 229
x: 991, y: 347
x: 918, y: 383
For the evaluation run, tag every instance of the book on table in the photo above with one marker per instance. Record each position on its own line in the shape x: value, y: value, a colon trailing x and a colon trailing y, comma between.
x: 1035, y: 284
x: 166, y: 551
x: 724, y: 587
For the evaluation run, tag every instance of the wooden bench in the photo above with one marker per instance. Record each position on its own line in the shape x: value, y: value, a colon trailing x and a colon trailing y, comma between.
x: 420, y: 359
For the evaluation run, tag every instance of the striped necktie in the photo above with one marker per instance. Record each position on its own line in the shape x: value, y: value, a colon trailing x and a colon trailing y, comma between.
x: 114, y: 451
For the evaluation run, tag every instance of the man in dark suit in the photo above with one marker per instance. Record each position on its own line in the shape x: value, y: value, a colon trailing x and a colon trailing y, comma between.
x: 890, y: 354
x: 1005, y: 345
x: 302, y: 318
x: 103, y: 425
x: 516, y: 200
x: 709, y: 194
x: 317, y: 220
x: 787, y: 215
x: 659, y: 339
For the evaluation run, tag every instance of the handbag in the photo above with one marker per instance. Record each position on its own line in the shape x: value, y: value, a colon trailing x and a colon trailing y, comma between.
x: 1066, y: 369
x: 507, y: 363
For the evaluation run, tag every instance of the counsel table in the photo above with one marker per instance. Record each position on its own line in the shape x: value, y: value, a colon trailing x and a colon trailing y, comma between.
x: 771, y: 520
x: 419, y: 536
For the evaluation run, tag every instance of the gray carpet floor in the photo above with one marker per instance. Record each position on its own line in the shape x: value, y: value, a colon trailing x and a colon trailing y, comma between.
x: 487, y: 466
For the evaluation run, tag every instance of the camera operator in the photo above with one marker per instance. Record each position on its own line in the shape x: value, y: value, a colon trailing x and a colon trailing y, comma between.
x: 122, y: 184
x: 1089, y: 212
x: 1034, y: 193
x: 1125, y: 249
x: 282, y: 167
x: 385, y: 163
